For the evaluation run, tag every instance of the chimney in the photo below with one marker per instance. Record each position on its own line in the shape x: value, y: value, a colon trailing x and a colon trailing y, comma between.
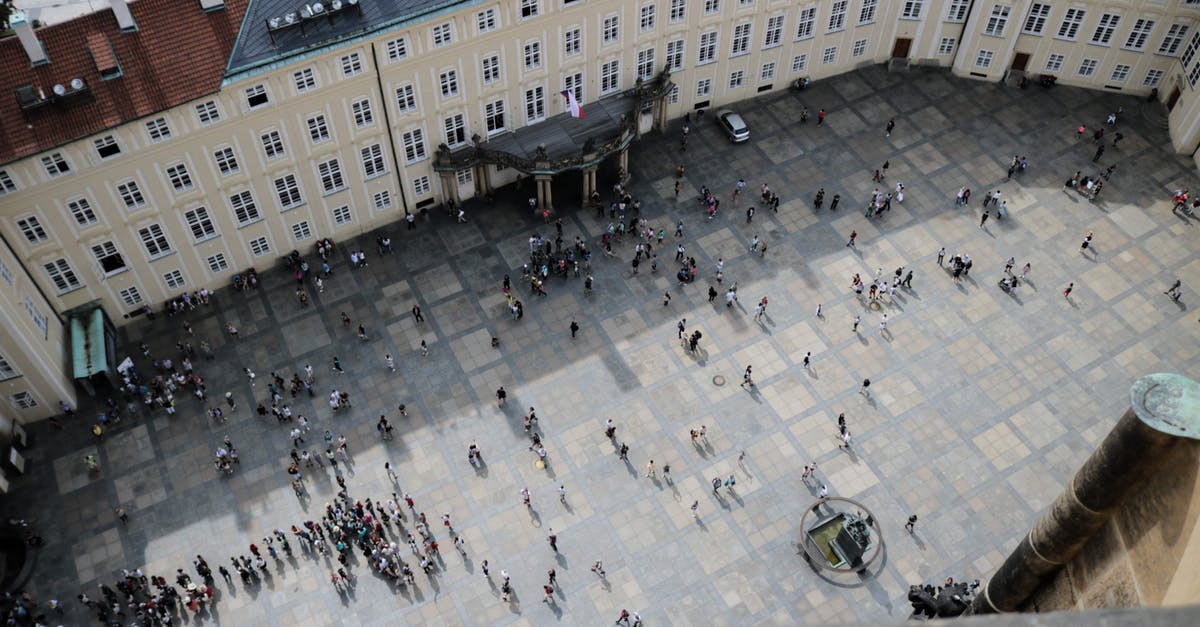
x: 29, y: 41
x: 124, y: 17
x: 211, y: 5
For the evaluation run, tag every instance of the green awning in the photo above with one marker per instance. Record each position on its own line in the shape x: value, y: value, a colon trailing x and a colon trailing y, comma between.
x: 89, y: 353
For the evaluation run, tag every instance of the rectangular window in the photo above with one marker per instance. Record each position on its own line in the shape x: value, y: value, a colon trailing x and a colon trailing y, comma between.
x: 55, y: 164
x: 491, y: 69
x: 6, y: 274
x: 304, y: 80
x: 383, y: 200
x: 217, y: 263
x: 648, y: 15
x: 1088, y: 67
x: 7, y: 185
x: 678, y: 11
x: 174, y: 280
x: 23, y: 400
x: 397, y: 49
x: 443, y: 34
x: 1120, y: 73
x: 712, y: 6
x: 406, y: 98
x: 81, y: 210
x: 708, y: 48
x: 837, y: 16
x: 449, y: 82
x: 740, y: 44
x: 131, y: 194
x: 912, y: 9
x: 226, y: 161
x: 675, y: 55
x: 158, y: 130
x: 984, y: 59
x: 767, y: 72
x: 131, y: 296
x: 318, y: 130
x: 455, y: 128
x: 610, y: 77
x: 866, y: 14
x: 1069, y: 28
x: 110, y: 259
x: 207, y: 112
x: 1054, y: 62
x: 493, y: 116
x: 7, y: 371
x: 859, y: 48
x: 154, y: 240
x: 288, y: 191
x: 181, y: 181
x: 106, y: 147
x: 200, y: 224
x: 1169, y: 45
x: 829, y: 55
x: 958, y: 11
x: 331, y: 175
x: 464, y: 177
x: 1105, y: 29
x: 574, y: 83
x: 351, y: 65
x: 32, y: 230
x: 272, y: 144
x: 341, y: 215
x: 774, y: 34
x: 421, y: 186
x: 414, y: 146
x: 244, y: 209
x: 673, y: 97
x: 799, y: 63
x: 485, y: 21
x: 533, y: 55
x: 372, y: 160
x: 704, y: 88
x: 535, y: 105
x: 737, y: 78
x: 998, y: 20
x: 529, y: 8
x: 260, y: 247
x: 611, y: 31
x: 1139, y: 34
x: 62, y: 275
x: 42, y: 323
x: 807, y: 23
x: 1189, y: 51
x: 946, y: 46
x: 257, y: 96
x: 572, y: 42
x: 362, y: 113
x: 301, y: 231
x: 645, y: 63
x: 1153, y: 78
x: 1035, y: 23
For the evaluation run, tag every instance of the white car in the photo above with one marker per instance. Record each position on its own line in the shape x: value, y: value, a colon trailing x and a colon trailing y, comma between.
x: 733, y: 125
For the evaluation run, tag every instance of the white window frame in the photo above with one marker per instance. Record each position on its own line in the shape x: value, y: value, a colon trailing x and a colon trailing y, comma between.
x: 1171, y: 41
x: 495, y: 117
x: 422, y: 186
x: 610, y: 30
x: 200, y: 224
x: 676, y: 48
x: 56, y: 165
x: 217, y: 263
x: 108, y: 250
x: 257, y: 96
x: 704, y: 88
x: 414, y: 146
x: 226, y: 160
x: 448, y: 83
x: 1087, y: 67
x: 208, y: 113
x: 158, y: 130
x: 574, y: 83
x: 1035, y: 21
x: 858, y: 49
x: 799, y: 63
x: 301, y: 231
x: 1072, y: 21
x: 946, y: 46
x: 351, y: 64
x: 648, y: 17
x: 33, y: 230
x: 287, y: 192
x: 82, y: 211
x: 712, y: 7
x: 442, y: 34
x: 829, y: 55
x: 766, y: 72
x: 984, y: 58
x: 490, y: 69
x: 304, y: 80
x: 997, y: 21
x: 1139, y: 34
x: 739, y: 44
x: 678, y: 11
x: 837, y: 16
x: 1106, y: 27
x: 1054, y: 62
x: 131, y: 296
x: 486, y: 21
x: 382, y: 200
x: 530, y: 9
x: 397, y: 49
x: 331, y: 176
x: 154, y: 240
x: 272, y: 143
x: 535, y: 104
x: 342, y: 215
x: 363, y: 115
x: 1153, y: 78
x: 1120, y: 73
x: 131, y: 194
x: 707, y: 52
x: 260, y: 247
x: 7, y: 184
x: 572, y: 42
x: 737, y: 79
x: 22, y: 400
x: 773, y: 34
x: 60, y: 273
x: 406, y: 98
x: 179, y: 177
x: 245, y: 209
x: 867, y: 11
x: 806, y: 23
x: 318, y: 129
x: 373, y: 161
x: 645, y: 64
x: 174, y: 279
x: 533, y: 55
x: 610, y: 77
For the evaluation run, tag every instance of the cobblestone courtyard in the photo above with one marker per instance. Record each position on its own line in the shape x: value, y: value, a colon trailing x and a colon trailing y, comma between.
x: 983, y: 403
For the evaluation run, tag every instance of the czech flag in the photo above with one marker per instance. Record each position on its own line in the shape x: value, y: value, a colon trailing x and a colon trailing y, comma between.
x: 572, y: 103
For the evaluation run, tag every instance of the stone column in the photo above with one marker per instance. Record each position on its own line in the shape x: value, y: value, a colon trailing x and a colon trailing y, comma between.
x: 544, y: 199
x: 449, y: 186
x: 589, y: 183
x: 483, y: 180
x: 623, y: 162
x: 1164, y: 414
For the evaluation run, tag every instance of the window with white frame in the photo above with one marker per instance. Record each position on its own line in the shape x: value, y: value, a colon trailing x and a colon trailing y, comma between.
x: 256, y: 96
x: 984, y: 59
x: 131, y: 194
x: 304, y: 79
x: 611, y: 30
x: 912, y: 9
x: 829, y: 55
x: 799, y: 63
x: 806, y: 24
x: 493, y: 116
x: 708, y: 48
x: 272, y: 144
x: 491, y: 69
x: 6, y: 274
x: 301, y: 231
x: 287, y: 189
x: 363, y: 116
x: 217, y: 263
x: 533, y: 55
x: 110, y: 259
x: 678, y: 11
x: 421, y: 186
x: 946, y: 46
x: 406, y: 98
x: 1171, y: 41
x: 32, y: 229
x: 158, y: 129
x: 673, y: 96
x: 774, y: 33
x: 1054, y: 62
x: 351, y: 65
x: 226, y: 161
x: 341, y: 215
x: 383, y: 200
x: 414, y: 145
x: 1189, y: 51
x: 464, y: 176
x: 397, y: 49
x: 1105, y: 29
x: 866, y: 13
x: 648, y: 16
x: 535, y: 104
x: 449, y: 83
x: 1088, y: 67
x: 372, y: 160
x: 7, y: 185
x: 174, y: 280
x: 55, y: 164
x: 200, y: 223
x: 41, y: 322
x: 1069, y: 29
x: 244, y: 208
x: 740, y: 44
x: 529, y: 8
x: 259, y: 247
x: 572, y: 42
x: 106, y: 147
x: 574, y: 83
x: 712, y: 6
x: 998, y: 20
x: 330, y: 173
x: 155, y: 241
x: 1035, y: 22
x: 485, y: 21
x: 455, y: 127
x: 767, y: 72
x: 22, y: 400
x: 645, y: 63
x: 837, y: 16
x: 318, y: 129
x: 610, y: 76
x: 207, y: 112
x: 1153, y: 78
x: 737, y: 78
x: 7, y: 370
x: 675, y: 55
x: 62, y: 275
x: 1120, y: 73
x: 859, y: 48
x: 1139, y: 34
x: 81, y: 210
x: 443, y: 34
x: 179, y: 177
x: 704, y: 88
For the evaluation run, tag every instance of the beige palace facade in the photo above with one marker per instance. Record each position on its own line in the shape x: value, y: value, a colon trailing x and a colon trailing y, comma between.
x: 286, y: 139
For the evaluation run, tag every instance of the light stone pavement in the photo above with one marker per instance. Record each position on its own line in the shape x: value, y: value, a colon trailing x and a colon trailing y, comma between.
x: 983, y: 403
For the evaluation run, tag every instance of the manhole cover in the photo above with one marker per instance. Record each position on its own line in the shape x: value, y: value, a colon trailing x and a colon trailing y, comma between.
x: 718, y: 380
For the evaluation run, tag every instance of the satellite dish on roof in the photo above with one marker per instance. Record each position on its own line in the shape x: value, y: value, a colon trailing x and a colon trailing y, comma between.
x: 290, y: 18
x: 274, y: 22
x: 77, y: 84
x: 317, y: 7
x: 59, y: 90
x: 352, y: 2
x: 336, y: 5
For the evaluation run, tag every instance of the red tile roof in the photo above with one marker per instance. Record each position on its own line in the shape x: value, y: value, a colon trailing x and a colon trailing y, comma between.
x: 177, y: 54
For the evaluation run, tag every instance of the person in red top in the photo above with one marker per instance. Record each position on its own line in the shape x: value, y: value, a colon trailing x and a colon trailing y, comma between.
x: 820, y: 117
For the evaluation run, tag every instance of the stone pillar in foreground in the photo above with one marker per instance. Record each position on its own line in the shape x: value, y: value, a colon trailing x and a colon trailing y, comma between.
x: 1164, y: 413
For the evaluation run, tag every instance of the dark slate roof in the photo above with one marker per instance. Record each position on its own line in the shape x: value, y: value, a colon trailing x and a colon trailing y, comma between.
x: 564, y: 135
x: 259, y: 44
